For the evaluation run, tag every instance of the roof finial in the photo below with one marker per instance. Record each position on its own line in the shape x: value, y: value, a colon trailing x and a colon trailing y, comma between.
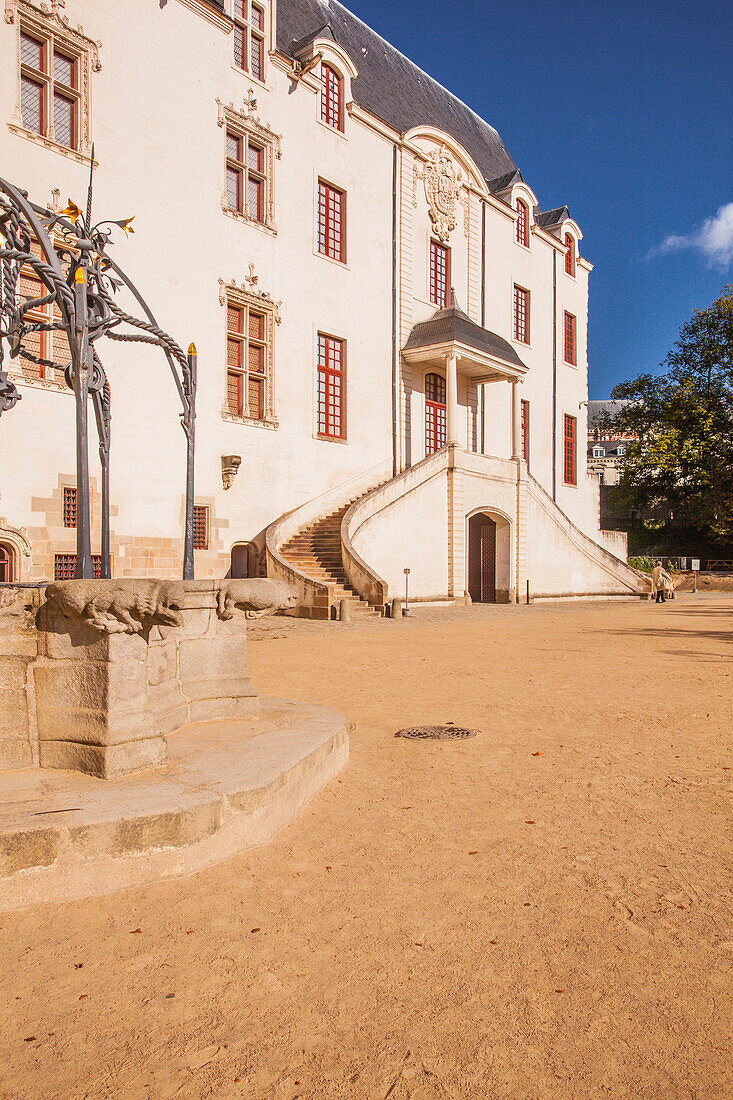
x: 453, y: 301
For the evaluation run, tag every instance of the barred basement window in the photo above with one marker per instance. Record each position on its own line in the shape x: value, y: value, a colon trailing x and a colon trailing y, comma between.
x: 332, y: 98
x: 246, y: 176
x: 570, y: 352
x: 521, y: 314
x: 569, y: 254
x: 522, y: 228
x: 64, y: 566
x: 331, y: 222
x: 331, y: 386
x: 200, y: 527
x: 50, y: 99
x: 570, y: 465
x: 439, y: 274
x: 69, y: 507
x: 249, y: 37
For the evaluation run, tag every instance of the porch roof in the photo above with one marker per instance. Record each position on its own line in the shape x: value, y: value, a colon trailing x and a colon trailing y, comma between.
x: 452, y: 332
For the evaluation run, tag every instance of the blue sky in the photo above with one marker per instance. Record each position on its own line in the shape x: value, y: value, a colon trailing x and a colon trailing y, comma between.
x: 620, y: 109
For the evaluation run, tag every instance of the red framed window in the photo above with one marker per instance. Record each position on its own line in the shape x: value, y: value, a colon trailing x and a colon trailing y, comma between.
x: 249, y: 37
x: 246, y: 176
x: 521, y: 314
x: 570, y: 463
x: 247, y: 361
x: 50, y: 100
x: 525, y: 431
x: 64, y: 566
x: 331, y: 364
x: 40, y: 349
x: 69, y: 507
x: 331, y: 211
x: 6, y: 564
x: 200, y: 527
x: 332, y: 97
x: 435, y: 414
x: 569, y: 254
x: 569, y: 341
x: 439, y: 274
x: 522, y: 226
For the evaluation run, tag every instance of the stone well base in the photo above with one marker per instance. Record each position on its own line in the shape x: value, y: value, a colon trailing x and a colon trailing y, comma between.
x: 226, y: 786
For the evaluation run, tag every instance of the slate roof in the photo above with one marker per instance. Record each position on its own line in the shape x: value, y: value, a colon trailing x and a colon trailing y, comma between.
x: 549, y: 218
x: 600, y: 409
x: 610, y: 446
x: 389, y: 85
x: 452, y: 324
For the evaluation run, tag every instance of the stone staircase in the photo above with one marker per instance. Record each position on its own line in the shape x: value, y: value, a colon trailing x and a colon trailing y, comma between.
x: 316, y: 551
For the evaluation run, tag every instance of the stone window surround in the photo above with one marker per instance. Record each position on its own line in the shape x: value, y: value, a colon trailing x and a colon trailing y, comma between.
x: 49, y: 22
x: 238, y: 295
x: 246, y: 124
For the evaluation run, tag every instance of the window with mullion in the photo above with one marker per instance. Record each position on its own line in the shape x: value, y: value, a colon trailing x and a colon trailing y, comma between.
x: 435, y: 413
x: 331, y: 355
x: 331, y: 98
x: 570, y: 451
x: 331, y: 209
x: 569, y: 254
x: 49, y: 96
x: 246, y: 177
x: 525, y: 431
x: 247, y: 361
x: 249, y: 37
x: 570, y: 351
x: 522, y: 229
x: 521, y: 314
x: 439, y: 274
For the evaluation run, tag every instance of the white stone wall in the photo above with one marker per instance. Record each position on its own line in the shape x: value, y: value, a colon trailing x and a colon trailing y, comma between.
x: 160, y: 151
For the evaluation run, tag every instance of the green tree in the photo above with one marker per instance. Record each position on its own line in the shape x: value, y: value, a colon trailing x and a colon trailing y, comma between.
x: 681, y: 464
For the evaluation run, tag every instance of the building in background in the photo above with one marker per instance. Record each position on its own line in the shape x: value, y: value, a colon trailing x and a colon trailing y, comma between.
x: 391, y: 330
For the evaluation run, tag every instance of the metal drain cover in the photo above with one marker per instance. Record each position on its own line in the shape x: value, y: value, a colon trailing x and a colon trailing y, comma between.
x: 436, y: 733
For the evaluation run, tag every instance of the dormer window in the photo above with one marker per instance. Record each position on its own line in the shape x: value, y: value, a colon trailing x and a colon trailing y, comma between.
x: 332, y: 98
x: 599, y: 452
x: 620, y: 451
x: 522, y: 227
x: 569, y: 254
x: 249, y: 37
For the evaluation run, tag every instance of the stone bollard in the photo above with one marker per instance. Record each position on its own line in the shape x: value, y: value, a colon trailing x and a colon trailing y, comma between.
x: 396, y: 611
x: 345, y: 611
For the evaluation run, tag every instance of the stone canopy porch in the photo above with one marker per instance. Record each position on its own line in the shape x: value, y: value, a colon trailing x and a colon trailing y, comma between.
x: 450, y: 341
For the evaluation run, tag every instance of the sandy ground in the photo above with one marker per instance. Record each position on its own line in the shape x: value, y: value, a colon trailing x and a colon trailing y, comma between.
x: 544, y: 911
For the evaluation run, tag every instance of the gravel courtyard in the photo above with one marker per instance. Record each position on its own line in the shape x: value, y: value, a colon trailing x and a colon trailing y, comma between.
x: 542, y: 911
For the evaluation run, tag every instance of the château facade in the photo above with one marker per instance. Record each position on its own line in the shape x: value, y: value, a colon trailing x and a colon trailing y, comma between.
x: 391, y: 330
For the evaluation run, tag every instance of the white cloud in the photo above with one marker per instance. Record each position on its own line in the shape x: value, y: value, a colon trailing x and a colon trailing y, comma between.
x: 713, y: 239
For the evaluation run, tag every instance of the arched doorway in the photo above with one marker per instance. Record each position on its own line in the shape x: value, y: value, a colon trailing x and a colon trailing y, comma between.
x: 241, y: 562
x: 482, y: 558
x: 435, y: 415
x: 6, y: 563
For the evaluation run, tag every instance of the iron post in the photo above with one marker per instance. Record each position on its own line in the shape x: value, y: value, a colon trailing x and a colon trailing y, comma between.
x: 80, y: 375
x: 189, y: 426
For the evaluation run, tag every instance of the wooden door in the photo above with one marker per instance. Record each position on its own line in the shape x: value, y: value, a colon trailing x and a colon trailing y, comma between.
x: 6, y: 564
x: 482, y: 558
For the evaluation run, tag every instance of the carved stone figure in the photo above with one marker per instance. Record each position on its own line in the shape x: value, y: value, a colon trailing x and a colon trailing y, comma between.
x: 229, y: 466
x: 109, y: 608
x: 442, y: 184
x: 256, y: 598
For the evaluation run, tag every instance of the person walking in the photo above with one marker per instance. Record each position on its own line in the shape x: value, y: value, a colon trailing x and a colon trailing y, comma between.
x: 661, y: 581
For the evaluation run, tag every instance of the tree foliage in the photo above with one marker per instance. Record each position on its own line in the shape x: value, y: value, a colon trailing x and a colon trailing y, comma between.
x: 682, y: 458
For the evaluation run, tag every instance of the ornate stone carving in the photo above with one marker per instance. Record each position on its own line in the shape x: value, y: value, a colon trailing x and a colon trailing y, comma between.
x: 442, y: 179
x: 114, y: 607
x: 229, y: 466
x: 261, y: 297
x: 256, y: 598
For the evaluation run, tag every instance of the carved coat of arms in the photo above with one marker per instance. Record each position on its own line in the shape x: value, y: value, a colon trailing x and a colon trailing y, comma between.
x: 442, y: 183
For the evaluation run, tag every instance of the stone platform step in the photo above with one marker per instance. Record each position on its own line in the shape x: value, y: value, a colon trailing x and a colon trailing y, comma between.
x: 226, y: 786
